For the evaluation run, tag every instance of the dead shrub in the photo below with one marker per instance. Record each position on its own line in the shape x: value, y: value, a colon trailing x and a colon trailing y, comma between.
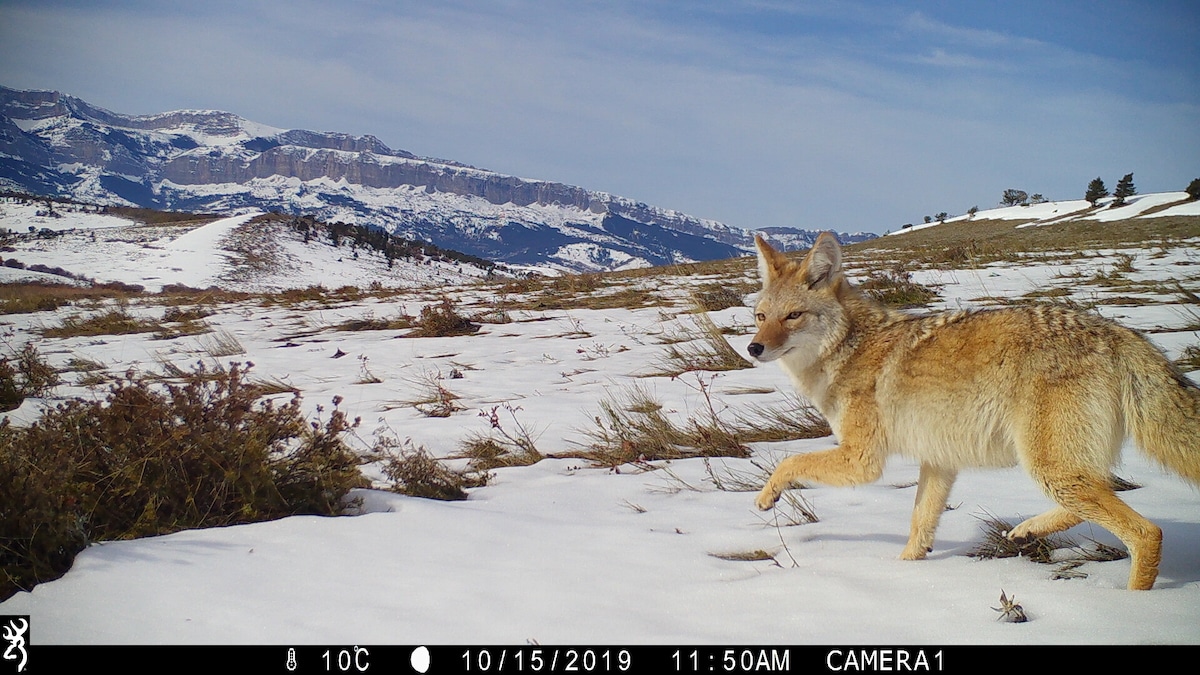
x: 115, y: 321
x: 716, y: 297
x: 23, y: 374
x: 442, y: 320
x: 413, y: 471
x: 896, y: 288
x: 371, y: 322
x: 154, y: 458
x: 434, y: 399
x: 501, y: 446
x: 1057, y: 549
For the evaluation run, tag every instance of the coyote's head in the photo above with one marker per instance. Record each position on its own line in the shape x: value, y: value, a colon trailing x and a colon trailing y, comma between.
x: 799, y: 312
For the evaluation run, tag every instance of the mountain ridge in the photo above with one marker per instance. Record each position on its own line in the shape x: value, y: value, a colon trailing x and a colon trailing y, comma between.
x: 55, y: 144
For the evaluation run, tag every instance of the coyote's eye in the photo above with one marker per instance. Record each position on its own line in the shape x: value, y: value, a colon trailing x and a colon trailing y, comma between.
x: 794, y: 315
x: 760, y: 317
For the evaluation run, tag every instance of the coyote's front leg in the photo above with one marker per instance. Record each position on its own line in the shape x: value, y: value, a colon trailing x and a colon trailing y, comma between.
x: 932, y: 489
x: 843, y: 465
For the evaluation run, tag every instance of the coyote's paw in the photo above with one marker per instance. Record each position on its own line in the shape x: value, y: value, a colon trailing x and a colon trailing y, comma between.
x: 914, y: 552
x: 766, y: 499
x: 1020, y: 535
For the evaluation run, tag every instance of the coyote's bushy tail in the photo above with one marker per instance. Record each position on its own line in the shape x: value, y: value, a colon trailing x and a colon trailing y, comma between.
x: 1163, y: 411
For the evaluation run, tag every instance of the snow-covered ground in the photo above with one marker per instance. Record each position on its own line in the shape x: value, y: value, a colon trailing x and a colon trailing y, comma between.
x: 110, y: 248
x: 560, y: 552
x: 1048, y: 213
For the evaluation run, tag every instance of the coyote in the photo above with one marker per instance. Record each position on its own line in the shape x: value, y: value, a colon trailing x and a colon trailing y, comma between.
x: 1053, y: 389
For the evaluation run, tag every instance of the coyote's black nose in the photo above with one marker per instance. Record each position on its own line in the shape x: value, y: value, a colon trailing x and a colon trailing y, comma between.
x: 755, y: 349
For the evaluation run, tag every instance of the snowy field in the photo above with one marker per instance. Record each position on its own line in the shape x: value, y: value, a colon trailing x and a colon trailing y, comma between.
x: 1154, y: 205
x: 561, y: 552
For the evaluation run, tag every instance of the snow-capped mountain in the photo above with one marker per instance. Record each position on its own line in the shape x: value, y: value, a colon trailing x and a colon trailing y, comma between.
x: 204, y: 160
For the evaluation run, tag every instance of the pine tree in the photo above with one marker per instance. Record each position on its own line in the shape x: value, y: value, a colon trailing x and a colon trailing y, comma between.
x: 1193, y: 189
x: 1124, y: 189
x: 1095, y: 191
x: 1012, y: 197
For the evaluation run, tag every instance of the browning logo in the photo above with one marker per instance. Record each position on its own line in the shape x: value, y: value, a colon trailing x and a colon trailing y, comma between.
x: 15, y: 631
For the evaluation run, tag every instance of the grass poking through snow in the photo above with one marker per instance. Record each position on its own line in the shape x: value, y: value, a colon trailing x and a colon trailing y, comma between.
x: 1057, y: 549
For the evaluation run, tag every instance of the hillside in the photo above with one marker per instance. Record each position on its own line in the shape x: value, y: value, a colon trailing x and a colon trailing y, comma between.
x: 253, y: 252
x: 1062, y: 225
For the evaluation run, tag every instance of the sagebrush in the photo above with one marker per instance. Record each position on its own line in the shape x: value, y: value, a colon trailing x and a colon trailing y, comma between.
x: 153, y: 458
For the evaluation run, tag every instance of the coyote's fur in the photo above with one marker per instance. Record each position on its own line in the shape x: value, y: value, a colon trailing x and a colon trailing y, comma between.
x: 1050, y: 388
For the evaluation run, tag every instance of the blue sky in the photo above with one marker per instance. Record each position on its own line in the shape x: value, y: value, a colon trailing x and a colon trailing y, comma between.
x: 841, y: 115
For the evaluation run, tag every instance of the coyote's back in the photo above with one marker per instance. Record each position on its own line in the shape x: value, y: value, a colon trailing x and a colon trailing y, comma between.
x: 1053, y: 389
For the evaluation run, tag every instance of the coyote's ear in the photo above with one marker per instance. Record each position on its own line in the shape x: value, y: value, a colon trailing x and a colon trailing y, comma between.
x: 824, y: 261
x: 771, y: 263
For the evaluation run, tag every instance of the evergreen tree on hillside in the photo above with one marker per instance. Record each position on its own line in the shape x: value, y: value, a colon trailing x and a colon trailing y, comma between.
x: 1193, y: 189
x: 1013, y: 197
x: 1124, y: 189
x: 1095, y: 191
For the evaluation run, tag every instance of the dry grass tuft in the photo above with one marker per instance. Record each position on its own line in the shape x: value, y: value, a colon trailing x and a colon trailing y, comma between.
x: 634, y: 429
x: 502, y: 446
x: 791, y: 420
x: 1057, y: 549
x: 716, y: 297
x: 996, y: 543
x: 370, y: 322
x: 412, y: 471
x: 115, y: 321
x: 896, y: 288
x: 23, y: 298
x: 434, y: 399
x: 442, y: 320
x: 701, y: 348
x: 221, y: 344
x: 365, y: 376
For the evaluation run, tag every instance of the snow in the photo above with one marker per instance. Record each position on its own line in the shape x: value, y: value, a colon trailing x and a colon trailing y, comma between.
x: 190, y: 259
x: 1190, y: 208
x: 197, y: 251
x: 1042, y: 211
x: 194, y: 254
x: 1049, y: 213
x: 1134, y: 206
x: 552, y: 555
x: 560, y: 552
x: 18, y: 217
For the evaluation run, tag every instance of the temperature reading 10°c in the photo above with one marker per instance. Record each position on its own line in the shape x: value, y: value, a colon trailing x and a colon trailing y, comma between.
x: 346, y: 660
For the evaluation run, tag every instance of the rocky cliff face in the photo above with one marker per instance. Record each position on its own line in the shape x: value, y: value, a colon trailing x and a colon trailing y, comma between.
x: 52, y: 143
